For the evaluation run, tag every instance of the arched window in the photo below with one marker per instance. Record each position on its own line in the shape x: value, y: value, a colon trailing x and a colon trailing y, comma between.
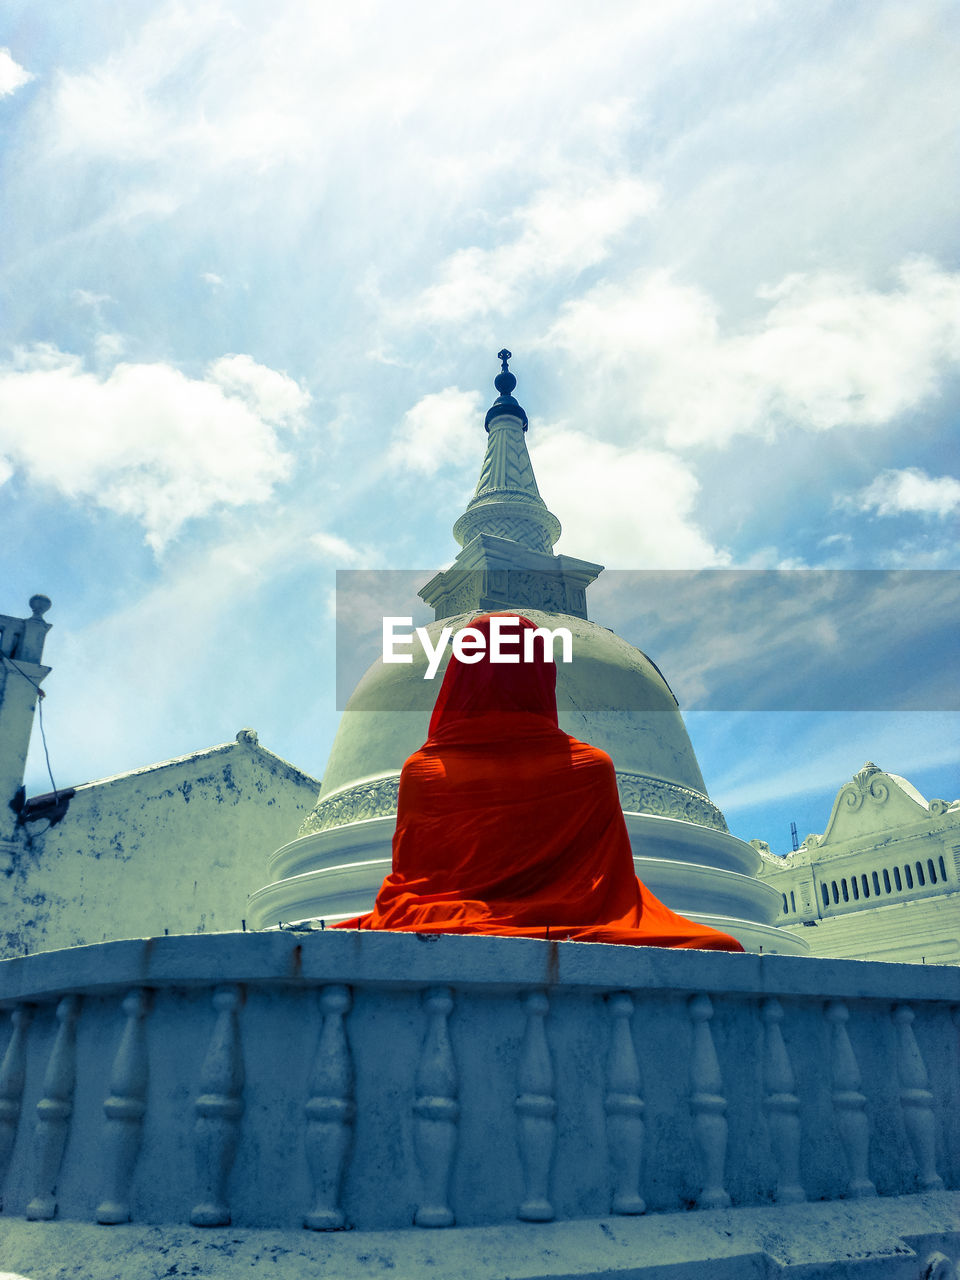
x: 835, y: 891
x: 784, y: 904
x: 933, y: 874
x: 866, y: 886
x: 843, y: 886
x: 793, y: 901
x: 856, y: 888
x: 899, y: 882
x: 876, y: 884
x: 824, y: 895
x: 920, y: 879
x: 909, y: 874
x: 943, y: 869
x: 886, y: 880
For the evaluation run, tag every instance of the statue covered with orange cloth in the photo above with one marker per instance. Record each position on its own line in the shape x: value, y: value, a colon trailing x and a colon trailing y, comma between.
x: 506, y: 825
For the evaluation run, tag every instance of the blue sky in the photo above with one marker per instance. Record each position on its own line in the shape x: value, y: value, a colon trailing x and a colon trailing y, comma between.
x: 255, y: 265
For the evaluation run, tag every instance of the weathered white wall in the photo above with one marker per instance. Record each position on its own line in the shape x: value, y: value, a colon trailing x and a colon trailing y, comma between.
x: 177, y: 846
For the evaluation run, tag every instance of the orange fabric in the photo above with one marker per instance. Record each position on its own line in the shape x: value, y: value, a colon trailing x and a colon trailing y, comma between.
x: 506, y: 825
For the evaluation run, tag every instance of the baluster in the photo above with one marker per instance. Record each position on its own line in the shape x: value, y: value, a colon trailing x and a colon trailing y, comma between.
x: 436, y: 1111
x: 624, y: 1108
x: 13, y: 1072
x: 124, y: 1110
x: 330, y: 1110
x: 218, y: 1110
x: 54, y: 1110
x: 782, y: 1106
x: 708, y: 1105
x: 849, y: 1104
x: 916, y: 1099
x: 536, y: 1113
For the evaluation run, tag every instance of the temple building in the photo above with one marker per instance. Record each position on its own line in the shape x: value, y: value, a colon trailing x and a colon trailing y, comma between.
x: 610, y: 695
x: 188, y: 1089
x: 883, y: 880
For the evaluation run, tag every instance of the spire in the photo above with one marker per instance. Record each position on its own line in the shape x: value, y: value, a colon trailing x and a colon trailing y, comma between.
x: 507, y: 502
x: 507, y: 534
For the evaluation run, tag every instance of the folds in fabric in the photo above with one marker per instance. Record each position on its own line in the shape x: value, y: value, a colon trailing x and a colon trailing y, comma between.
x: 507, y: 825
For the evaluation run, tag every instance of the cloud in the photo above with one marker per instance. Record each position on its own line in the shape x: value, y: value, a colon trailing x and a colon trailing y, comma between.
x: 330, y: 546
x: 439, y: 431
x: 146, y: 440
x: 911, y: 490
x: 631, y: 506
x: 563, y: 230
x: 12, y: 75
x: 828, y: 352
x: 775, y: 758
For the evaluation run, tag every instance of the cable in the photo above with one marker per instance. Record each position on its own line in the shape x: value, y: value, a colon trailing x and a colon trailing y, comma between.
x: 43, y: 737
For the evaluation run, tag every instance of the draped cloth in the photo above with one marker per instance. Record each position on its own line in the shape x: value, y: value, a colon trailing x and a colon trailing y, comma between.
x: 506, y: 825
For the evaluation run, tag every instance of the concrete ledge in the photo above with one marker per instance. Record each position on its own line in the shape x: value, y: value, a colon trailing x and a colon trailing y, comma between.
x: 411, y: 961
x: 892, y: 1239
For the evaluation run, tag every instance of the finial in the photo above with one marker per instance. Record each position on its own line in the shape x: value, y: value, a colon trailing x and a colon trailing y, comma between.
x: 39, y: 605
x: 504, y: 381
x: 505, y: 403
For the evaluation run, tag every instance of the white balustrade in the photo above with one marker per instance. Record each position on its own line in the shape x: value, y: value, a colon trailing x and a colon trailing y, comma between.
x: 849, y: 1104
x: 124, y: 1110
x: 330, y: 1112
x: 782, y: 1106
x: 624, y: 1107
x: 436, y: 1112
x: 916, y: 1099
x: 218, y: 1110
x: 54, y: 1111
x: 12, y: 1075
x: 708, y: 1105
x: 386, y: 1080
x: 536, y: 1110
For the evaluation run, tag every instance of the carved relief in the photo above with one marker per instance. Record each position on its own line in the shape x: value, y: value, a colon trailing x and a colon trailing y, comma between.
x: 638, y: 794
x: 867, y: 784
x: 374, y: 799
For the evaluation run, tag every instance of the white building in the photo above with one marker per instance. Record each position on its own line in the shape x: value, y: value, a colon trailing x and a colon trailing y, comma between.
x: 882, y: 882
x: 174, y: 847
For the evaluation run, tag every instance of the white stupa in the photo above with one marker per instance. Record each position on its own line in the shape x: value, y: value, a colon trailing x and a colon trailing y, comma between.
x: 612, y: 695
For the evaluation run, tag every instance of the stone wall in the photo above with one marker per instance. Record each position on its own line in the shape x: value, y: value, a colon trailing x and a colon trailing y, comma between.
x: 177, y: 846
x: 382, y: 1081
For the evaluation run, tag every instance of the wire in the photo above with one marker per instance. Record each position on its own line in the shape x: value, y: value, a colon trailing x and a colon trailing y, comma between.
x: 43, y: 737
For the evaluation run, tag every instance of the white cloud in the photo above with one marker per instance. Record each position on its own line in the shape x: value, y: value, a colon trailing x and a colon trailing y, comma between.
x: 563, y: 230
x: 439, y: 431
x: 633, y: 507
x: 910, y: 490
x: 276, y: 397
x: 146, y: 440
x: 12, y: 75
x: 212, y: 279
x: 829, y: 352
x: 330, y: 546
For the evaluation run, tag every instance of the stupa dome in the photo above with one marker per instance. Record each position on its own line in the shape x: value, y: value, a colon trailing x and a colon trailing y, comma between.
x: 611, y: 695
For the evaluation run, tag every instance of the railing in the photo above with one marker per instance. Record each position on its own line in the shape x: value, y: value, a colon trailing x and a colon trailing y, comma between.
x: 382, y: 1081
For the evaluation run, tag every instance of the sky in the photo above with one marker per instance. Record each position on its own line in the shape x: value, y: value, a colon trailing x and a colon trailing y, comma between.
x: 255, y: 265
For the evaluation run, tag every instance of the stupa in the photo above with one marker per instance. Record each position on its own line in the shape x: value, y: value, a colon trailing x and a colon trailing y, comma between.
x: 611, y: 695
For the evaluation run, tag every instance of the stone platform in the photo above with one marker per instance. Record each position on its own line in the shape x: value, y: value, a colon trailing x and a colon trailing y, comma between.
x: 569, y: 1105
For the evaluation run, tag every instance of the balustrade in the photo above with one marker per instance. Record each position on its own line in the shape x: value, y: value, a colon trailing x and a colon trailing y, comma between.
x: 399, y: 1146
